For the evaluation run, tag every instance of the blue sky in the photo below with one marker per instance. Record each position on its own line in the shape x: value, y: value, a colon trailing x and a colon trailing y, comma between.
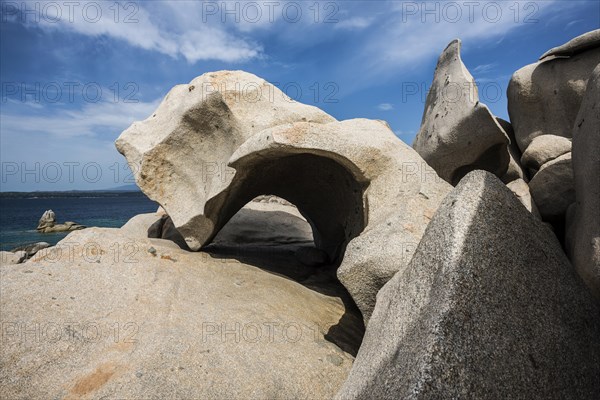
x: 76, y: 74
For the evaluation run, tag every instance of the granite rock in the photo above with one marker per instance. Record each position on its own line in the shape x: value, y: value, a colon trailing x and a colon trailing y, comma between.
x: 459, y: 133
x: 583, y: 236
x: 489, y: 308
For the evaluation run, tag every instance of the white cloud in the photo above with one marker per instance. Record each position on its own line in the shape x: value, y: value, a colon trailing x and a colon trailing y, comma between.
x: 31, y: 104
x: 216, y: 44
x: 575, y: 22
x: 174, y: 30
x: 412, y: 33
x: 483, y: 68
x: 494, y: 80
x: 385, y: 106
x: 89, y: 121
x: 31, y: 137
x: 354, y: 23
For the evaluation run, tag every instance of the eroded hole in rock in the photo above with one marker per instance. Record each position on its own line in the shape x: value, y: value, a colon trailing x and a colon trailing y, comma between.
x: 272, y: 234
x: 328, y: 194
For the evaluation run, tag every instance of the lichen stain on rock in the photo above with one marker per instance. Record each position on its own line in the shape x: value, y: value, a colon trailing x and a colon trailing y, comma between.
x: 95, y: 380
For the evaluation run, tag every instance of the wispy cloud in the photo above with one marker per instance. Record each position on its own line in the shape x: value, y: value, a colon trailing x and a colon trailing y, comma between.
x: 404, y: 134
x: 154, y: 27
x: 31, y: 104
x: 92, y: 120
x: 418, y: 35
x: 484, y: 68
x: 493, y: 79
x: 570, y: 24
x: 83, y: 136
x: 213, y: 43
x: 354, y: 23
x: 385, y: 106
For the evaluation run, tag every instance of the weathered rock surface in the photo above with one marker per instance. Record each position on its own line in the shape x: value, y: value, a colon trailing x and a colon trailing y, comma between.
x: 169, y: 232
x: 587, y: 41
x: 47, y: 224
x: 552, y: 188
x: 458, y: 133
x: 583, y: 236
x: 156, y: 225
x: 155, y: 229
x: 515, y: 170
x: 521, y: 189
x: 544, y: 149
x: 138, y: 225
x: 163, y: 228
x: 10, y: 258
x: 489, y: 308
x: 349, y: 179
x: 544, y: 98
x: 149, y: 321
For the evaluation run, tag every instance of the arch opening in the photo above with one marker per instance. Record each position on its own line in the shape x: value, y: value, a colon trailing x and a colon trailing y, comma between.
x: 327, y: 194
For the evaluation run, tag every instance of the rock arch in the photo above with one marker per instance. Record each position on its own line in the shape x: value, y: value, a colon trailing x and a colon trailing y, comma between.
x: 328, y: 194
x: 204, y: 155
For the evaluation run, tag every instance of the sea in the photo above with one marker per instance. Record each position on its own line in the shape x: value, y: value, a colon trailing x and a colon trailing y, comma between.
x: 20, y: 213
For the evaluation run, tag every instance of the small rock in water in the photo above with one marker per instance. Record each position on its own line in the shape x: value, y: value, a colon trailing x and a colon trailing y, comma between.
x: 48, y: 224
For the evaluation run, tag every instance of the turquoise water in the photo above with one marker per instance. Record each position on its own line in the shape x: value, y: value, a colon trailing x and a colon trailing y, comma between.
x: 19, y: 216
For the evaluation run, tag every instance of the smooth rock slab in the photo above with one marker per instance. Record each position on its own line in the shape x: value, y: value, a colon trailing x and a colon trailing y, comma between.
x: 489, y: 308
x: 581, y: 43
x: 115, y: 317
x: 544, y: 97
x: 138, y: 225
x: 544, y: 149
x: 583, y: 235
x: 552, y: 188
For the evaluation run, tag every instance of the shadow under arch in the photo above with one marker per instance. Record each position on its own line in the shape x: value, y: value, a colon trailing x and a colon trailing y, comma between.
x: 329, y: 193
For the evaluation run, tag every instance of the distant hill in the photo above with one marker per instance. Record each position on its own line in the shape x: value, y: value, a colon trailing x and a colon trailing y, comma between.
x: 74, y: 193
x: 125, y: 188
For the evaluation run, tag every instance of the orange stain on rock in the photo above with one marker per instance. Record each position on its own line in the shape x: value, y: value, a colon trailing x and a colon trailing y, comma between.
x: 95, y: 380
